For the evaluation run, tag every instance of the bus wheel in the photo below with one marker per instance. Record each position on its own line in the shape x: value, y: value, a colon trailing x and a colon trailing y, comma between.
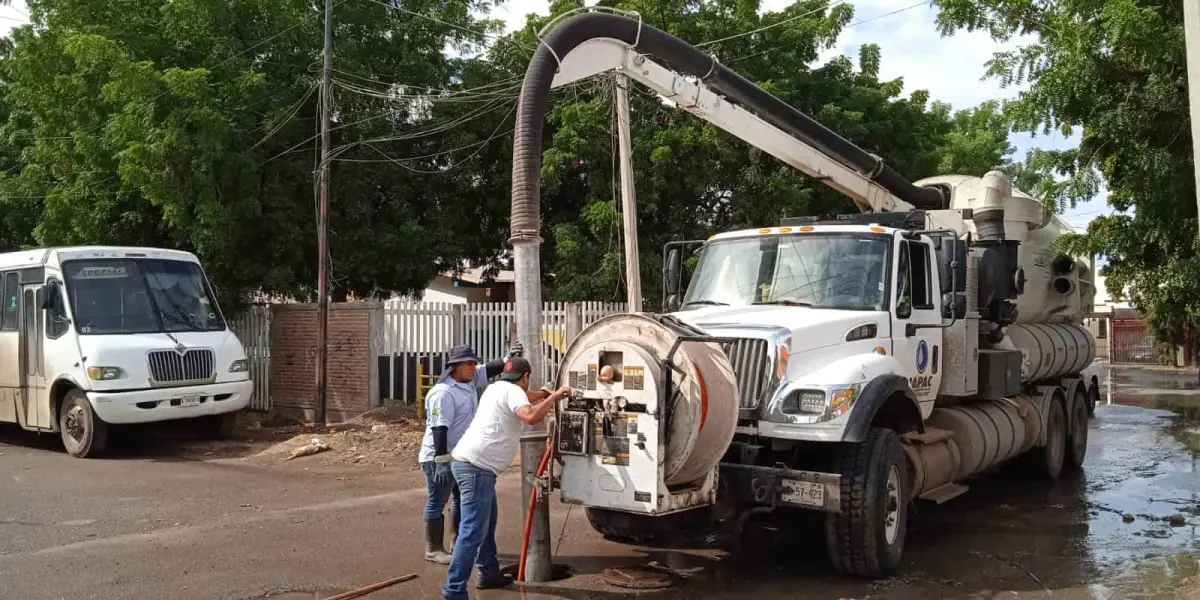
x: 217, y: 427
x: 83, y: 433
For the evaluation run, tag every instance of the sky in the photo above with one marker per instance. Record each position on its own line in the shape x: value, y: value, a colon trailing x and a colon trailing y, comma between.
x: 950, y: 68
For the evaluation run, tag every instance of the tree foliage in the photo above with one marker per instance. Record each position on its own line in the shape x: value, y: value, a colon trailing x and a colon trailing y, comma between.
x: 1116, y: 71
x: 192, y: 124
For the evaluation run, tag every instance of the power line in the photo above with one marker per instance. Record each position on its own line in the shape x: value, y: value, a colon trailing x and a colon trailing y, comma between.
x: 495, y: 134
x: 773, y: 25
x: 854, y: 24
x: 481, y: 34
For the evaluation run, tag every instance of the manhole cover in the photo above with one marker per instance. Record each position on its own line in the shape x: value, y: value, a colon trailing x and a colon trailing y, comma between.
x: 637, y: 578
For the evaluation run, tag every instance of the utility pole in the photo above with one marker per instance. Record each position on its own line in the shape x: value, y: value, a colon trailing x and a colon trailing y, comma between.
x: 633, y: 276
x: 1191, y: 34
x: 323, y: 222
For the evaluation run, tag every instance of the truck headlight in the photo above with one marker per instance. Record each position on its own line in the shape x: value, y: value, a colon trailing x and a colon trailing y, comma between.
x: 805, y: 402
x: 239, y: 366
x: 841, y: 398
x: 105, y: 373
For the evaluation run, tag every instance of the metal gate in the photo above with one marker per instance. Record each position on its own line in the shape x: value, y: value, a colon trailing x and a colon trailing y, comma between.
x: 253, y: 329
x: 1131, y: 342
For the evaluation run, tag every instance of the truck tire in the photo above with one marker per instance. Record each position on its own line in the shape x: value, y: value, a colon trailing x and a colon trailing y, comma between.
x: 1078, y: 440
x: 621, y: 527
x: 84, y: 435
x: 217, y: 427
x: 1093, y: 398
x: 867, y: 538
x: 1047, y: 461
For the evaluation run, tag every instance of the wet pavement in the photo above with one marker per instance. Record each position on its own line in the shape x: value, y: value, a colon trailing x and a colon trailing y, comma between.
x: 1126, y: 527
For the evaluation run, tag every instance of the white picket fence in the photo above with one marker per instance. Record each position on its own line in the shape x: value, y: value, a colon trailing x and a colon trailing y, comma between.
x: 416, y: 336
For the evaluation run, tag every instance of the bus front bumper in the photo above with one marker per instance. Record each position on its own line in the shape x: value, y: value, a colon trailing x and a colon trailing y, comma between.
x: 148, y: 406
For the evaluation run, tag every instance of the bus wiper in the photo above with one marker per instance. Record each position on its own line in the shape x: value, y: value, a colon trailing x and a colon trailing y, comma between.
x: 786, y: 302
x: 705, y: 303
x: 178, y: 320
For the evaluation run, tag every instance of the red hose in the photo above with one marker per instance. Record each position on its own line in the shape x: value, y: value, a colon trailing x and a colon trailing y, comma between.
x: 529, y: 512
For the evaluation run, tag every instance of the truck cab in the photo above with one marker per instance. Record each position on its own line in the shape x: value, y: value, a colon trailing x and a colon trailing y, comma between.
x: 821, y: 312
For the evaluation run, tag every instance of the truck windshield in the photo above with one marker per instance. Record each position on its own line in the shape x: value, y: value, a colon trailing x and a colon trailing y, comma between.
x: 822, y: 270
x: 141, y: 295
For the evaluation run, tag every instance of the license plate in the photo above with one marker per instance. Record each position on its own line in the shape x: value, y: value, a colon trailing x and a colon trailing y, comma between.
x: 803, y: 493
x: 191, y: 400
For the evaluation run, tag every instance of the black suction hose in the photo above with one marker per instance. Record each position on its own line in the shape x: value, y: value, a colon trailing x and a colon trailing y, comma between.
x: 687, y: 59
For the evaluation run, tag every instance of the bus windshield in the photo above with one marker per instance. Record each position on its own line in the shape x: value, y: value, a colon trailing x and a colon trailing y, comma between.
x: 140, y: 295
x: 845, y: 271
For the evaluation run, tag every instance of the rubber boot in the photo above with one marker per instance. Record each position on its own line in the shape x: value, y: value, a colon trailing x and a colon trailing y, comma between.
x: 435, y: 533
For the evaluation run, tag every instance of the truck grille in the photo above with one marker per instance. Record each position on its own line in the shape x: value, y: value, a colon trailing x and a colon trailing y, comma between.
x: 171, y: 366
x: 752, y: 364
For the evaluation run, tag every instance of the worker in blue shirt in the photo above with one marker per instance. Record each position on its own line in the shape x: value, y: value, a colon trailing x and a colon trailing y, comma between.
x: 449, y: 408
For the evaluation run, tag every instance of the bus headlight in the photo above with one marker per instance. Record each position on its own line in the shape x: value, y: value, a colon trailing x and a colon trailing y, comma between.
x: 105, y: 373
x: 239, y: 366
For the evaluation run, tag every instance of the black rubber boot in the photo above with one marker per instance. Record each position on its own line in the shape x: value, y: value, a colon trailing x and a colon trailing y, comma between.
x: 435, y: 533
x: 493, y: 582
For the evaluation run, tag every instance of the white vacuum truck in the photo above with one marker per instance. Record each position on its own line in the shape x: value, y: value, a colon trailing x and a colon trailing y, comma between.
x: 851, y: 367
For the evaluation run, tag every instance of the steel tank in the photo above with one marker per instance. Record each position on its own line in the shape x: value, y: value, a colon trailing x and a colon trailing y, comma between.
x: 1051, y: 350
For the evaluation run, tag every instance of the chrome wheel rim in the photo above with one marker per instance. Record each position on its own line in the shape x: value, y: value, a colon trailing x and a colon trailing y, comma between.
x: 76, y: 424
x: 891, y: 522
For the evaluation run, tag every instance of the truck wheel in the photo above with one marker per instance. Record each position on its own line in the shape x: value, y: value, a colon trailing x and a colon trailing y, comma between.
x: 867, y: 538
x: 1093, y: 398
x: 1077, y: 448
x: 84, y: 435
x: 217, y: 427
x: 1047, y: 461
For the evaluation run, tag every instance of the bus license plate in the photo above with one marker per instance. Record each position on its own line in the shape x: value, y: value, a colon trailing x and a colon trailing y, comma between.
x: 803, y: 493
x: 191, y: 400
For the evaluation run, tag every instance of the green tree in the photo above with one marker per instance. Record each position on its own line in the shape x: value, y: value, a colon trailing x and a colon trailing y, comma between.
x: 694, y: 180
x: 191, y: 124
x: 1114, y: 70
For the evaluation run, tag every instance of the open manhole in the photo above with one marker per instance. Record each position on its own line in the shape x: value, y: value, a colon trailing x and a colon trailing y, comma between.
x: 637, y: 578
x: 558, y: 572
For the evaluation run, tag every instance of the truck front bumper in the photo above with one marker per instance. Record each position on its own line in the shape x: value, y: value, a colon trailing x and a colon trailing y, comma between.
x: 164, y: 404
x: 771, y: 486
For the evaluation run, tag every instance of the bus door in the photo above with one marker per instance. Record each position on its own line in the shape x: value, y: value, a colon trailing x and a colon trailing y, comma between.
x: 12, y: 368
x: 37, y: 409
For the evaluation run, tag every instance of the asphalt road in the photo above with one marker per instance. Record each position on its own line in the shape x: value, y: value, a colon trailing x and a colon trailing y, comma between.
x: 149, y: 525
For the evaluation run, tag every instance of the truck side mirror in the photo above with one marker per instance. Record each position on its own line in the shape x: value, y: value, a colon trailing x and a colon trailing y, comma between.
x: 672, y: 270
x: 952, y: 266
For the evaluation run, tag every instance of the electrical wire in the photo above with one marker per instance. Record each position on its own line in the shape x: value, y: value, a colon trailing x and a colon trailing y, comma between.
x: 292, y: 112
x: 481, y: 34
x: 854, y: 24
x: 495, y: 134
x: 773, y: 25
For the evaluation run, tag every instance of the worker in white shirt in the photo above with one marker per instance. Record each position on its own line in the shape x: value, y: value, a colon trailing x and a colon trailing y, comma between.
x: 449, y: 407
x: 484, y: 451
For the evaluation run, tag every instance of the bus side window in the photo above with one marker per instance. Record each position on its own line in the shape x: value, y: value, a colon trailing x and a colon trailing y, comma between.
x: 56, y: 321
x: 10, y: 313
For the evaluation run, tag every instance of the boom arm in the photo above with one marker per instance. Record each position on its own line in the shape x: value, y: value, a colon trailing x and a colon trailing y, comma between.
x: 599, y: 55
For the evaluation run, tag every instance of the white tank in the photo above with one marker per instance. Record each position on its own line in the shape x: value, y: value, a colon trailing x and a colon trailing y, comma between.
x: 1048, y: 297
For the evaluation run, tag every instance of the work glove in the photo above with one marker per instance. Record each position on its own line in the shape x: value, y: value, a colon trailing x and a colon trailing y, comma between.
x: 516, y: 350
x: 442, y: 475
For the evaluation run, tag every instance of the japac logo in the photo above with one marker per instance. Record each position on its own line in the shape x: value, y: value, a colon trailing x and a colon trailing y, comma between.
x: 922, y: 356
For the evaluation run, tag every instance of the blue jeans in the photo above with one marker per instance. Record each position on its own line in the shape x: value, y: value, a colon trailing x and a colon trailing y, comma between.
x: 435, y: 502
x: 477, y: 531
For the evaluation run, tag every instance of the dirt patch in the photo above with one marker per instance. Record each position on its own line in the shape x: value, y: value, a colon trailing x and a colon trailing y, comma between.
x: 385, y: 437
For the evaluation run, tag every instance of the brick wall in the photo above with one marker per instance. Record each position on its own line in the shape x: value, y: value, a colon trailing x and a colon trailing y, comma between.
x: 352, y: 367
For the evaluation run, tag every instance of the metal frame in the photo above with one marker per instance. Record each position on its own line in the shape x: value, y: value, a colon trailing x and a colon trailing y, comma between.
x: 599, y: 55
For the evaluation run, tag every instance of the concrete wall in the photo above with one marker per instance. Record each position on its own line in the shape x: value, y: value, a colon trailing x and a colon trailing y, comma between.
x: 352, y: 371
